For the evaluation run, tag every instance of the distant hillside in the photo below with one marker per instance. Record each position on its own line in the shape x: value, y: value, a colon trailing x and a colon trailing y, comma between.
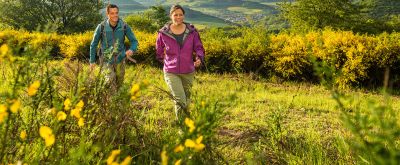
x: 128, y: 6
x: 207, y: 12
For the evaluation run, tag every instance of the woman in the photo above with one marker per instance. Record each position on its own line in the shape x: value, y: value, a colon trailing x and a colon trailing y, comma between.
x: 175, y: 45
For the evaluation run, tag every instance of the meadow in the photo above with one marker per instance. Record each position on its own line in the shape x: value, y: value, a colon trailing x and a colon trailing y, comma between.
x: 240, y: 120
x: 287, y: 98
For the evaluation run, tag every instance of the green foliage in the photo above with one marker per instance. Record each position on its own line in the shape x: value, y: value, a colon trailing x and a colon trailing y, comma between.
x: 158, y: 15
x: 77, y: 16
x: 141, y: 23
x: 370, y: 16
x: 150, y: 20
x: 318, y: 14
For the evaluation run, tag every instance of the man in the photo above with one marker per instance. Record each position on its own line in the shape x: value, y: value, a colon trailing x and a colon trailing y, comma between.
x: 112, y: 51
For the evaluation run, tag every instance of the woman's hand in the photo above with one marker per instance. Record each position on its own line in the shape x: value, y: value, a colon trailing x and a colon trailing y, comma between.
x: 197, y: 63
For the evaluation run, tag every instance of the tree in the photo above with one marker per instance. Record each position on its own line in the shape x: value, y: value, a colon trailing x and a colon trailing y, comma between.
x: 366, y: 16
x: 138, y: 22
x: 157, y: 14
x: 384, y: 15
x: 317, y: 14
x: 150, y: 20
x: 68, y: 16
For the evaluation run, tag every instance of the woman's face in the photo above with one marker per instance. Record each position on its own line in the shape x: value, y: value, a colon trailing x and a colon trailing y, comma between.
x: 177, y: 17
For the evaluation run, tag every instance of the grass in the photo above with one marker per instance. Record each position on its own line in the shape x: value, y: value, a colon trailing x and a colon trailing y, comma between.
x: 265, y: 122
x: 245, y: 10
x: 309, y: 114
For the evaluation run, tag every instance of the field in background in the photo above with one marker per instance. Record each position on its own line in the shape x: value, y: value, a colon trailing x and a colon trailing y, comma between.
x: 209, y: 13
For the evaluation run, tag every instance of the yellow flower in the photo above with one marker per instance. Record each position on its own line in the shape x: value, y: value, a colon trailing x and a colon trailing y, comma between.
x: 197, y: 145
x: 61, y: 116
x: 190, y: 143
x: 80, y: 104
x: 133, y: 98
x: 190, y: 124
x: 199, y: 139
x: 164, y: 158
x: 50, y: 140
x: 52, y: 111
x: 179, y: 148
x: 47, y: 134
x: 178, y: 162
x: 23, y: 135
x: 45, y: 131
x: 4, y: 49
x: 15, y: 106
x: 33, y: 88
x: 135, y: 88
x: 3, y: 108
x: 76, y: 112
x: 3, y: 113
x: 146, y: 82
x: 203, y: 104
x: 111, y: 158
x: 67, y: 104
x: 137, y: 94
x: 126, y: 161
x: 81, y: 122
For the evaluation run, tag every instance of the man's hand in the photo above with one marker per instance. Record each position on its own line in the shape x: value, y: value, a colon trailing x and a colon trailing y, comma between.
x: 197, y: 63
x: 92, y: 66
x: 128, y: 54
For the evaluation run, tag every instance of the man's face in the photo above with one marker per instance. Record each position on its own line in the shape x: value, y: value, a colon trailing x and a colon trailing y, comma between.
x: 113, y: 14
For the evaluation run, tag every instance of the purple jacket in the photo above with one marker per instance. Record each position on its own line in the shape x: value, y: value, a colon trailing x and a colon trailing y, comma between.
x: 179, y: 59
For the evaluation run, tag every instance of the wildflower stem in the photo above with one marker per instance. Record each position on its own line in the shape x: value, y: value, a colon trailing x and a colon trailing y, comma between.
x: 3, y: 144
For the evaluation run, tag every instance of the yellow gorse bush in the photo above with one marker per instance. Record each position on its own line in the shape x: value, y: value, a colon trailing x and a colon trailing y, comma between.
x: 286, y: 54
x: 76, y: 45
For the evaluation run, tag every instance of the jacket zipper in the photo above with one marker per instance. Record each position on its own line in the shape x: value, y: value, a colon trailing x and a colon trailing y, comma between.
x: 180, y: 48
x: 113, y: 37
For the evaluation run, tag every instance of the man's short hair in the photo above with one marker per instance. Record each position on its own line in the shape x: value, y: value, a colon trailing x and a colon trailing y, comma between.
x: 109, y: 6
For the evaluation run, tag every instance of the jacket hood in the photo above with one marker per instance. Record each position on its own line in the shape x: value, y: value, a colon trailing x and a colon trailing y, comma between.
x: 166, y: 27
